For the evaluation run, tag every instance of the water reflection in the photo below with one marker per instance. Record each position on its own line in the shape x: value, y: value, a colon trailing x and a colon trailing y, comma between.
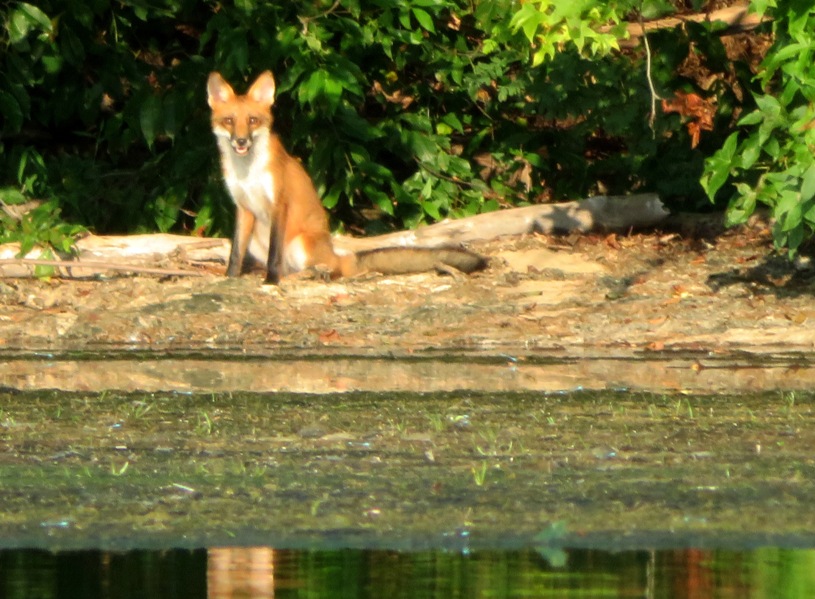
x: 261, y: 572
x: 241, y: 572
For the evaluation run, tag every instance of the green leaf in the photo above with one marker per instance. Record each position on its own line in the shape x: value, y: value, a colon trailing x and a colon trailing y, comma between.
x: 717, y: 167
x: 246, y: 6
x: 431, y: 208
x: 786, y: 205
x: 71, y: 46
x: 150, y: 118
x: 36, y: 16
x: 25, y: 17
x: 488, y: 46
x: 427, y: 190
x: 11, y: 115
x: 760, y: 7
x: 380, y: 199
x: 528, y: 18
x: 808, y: 184
x: 331, y: 198
x: 11, y: 196
x: 170, y: 111
x: 424, y: 19
x: 44, y: 272
x: 332, y: 92
x: 443, y: 129
x: 17, y: 26
x: 808, y: 211
x: 752, y: 118
x: 404, y: 19
x: 741, y: 206
x: 750, y: 152
x: 795, y: 237
x: 313, y: 87
x: 769, y: 105
x: 354, y: 126
x: 453, y: 122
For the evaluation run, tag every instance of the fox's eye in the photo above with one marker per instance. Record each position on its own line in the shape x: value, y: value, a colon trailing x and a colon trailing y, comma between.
x: 229, y: 121
x: 253, y: 120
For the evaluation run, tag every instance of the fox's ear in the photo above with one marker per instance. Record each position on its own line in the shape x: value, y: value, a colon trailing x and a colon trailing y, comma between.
x: 262, y: 90
x: 218, y: 90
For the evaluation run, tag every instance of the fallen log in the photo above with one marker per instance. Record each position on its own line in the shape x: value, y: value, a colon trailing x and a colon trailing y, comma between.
x: 611, y: 213
x: 161, y: 254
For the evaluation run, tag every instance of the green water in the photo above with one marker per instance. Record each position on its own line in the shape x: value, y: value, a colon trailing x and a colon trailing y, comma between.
x: 266, y: 573
x: 403, y: 471
x: 607, y: 493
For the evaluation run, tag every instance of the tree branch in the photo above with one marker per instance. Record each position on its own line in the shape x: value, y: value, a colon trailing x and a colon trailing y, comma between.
x: 738, y: 19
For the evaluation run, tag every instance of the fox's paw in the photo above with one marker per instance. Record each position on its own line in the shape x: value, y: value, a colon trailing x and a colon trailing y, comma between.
x: 321, y: 273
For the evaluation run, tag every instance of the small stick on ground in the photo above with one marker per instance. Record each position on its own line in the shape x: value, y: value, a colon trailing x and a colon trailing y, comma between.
x: 96, y: 267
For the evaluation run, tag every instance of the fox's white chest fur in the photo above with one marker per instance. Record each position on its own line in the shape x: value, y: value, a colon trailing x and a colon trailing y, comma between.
x: 251, y: 185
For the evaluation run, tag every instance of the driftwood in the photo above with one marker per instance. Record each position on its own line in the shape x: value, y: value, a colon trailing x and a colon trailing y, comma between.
x: 160, y: 254
x: 613, y: 213
x: 737, y: 18
x: 156, y: 254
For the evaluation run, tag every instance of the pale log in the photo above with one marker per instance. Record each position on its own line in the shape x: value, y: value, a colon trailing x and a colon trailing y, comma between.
x: 612, y: 213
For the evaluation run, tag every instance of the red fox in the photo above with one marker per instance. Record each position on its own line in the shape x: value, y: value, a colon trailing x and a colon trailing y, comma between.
x: 280, y: 219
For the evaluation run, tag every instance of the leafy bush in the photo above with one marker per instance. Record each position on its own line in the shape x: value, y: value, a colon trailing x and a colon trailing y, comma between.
x: 423, y: 109
x: 770, y: 160
x: 99, y: 113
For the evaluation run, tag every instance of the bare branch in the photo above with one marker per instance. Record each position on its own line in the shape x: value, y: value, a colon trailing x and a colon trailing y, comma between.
x: 738, y: 19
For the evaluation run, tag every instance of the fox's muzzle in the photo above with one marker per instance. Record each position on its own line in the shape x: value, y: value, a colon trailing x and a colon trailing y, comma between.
x: 241, y: 145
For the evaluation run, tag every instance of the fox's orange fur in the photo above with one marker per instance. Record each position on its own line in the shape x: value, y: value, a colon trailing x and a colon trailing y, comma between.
x: 280, y: 219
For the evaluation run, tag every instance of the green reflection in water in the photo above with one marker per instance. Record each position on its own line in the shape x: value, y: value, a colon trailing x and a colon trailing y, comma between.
x: 262, y: 572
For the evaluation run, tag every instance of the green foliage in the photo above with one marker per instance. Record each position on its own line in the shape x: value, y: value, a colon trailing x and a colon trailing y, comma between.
x: 423, y: 109
x: 550, y: 24
x: 770, y: 160
x: 38, y: 223
x: 93, y: 98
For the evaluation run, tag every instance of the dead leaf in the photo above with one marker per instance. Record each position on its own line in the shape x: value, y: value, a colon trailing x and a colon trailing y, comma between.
x: 797, y: 317
x: 395, y: 97
x: 779, y: 281
x: 680, y: 291
x: 329, y: 336
x: 611, y: 241
x: 698, y: 112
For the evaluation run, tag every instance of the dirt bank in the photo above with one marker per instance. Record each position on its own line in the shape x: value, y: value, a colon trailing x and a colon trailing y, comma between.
x: 596, y: 294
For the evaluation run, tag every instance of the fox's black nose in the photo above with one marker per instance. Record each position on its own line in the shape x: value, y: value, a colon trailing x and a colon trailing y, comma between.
x: 241, y: 141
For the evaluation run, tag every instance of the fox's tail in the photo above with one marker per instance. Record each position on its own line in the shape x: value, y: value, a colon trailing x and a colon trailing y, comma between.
x: 395, y: 261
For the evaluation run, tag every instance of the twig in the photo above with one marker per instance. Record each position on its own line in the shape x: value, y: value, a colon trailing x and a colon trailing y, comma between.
x: 654, y: 96
x: 99, y: 267
x: 443, y: 177
x: 307, y: 20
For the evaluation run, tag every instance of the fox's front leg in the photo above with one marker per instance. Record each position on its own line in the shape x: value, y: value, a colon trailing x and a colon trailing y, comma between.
x: 244, y: 223
x: 274, y: 263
